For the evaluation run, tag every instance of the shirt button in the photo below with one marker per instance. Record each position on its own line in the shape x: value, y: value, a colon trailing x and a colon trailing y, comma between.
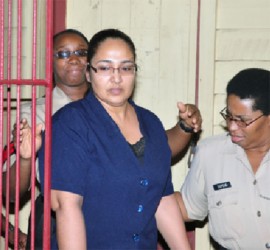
x: 219, y: 203
x: 267, y: 245
x: 136, y: 237
x: 144, y: 182
x: 259, y: 214
x: 254, y: 182
x: 140, y: 208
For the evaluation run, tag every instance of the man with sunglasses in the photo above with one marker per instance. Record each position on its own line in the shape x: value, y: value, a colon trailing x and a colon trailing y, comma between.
x: 229, y: 176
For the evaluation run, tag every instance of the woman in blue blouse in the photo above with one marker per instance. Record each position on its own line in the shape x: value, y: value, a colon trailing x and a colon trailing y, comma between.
x: 111, y: 176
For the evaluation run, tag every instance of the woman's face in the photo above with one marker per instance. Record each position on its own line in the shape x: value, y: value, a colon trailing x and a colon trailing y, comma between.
x: 113, y: 88
x: 70, y: 71
x: 256, y: 134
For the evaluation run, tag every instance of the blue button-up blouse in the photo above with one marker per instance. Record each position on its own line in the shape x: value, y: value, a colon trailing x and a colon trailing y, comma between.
x: 91, y: 157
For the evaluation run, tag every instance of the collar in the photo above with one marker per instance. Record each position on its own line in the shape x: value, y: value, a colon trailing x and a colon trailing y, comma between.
x: 60, y: 99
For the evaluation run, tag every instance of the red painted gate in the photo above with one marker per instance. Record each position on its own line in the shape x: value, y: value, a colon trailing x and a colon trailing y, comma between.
x: 25, y: 73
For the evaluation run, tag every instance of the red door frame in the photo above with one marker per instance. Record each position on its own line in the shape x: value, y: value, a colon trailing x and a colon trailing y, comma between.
x: 59, y: 15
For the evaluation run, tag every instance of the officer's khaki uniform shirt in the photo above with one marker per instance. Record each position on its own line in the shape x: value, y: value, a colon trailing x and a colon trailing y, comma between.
x: 59, y: 100
x: 222, y: 185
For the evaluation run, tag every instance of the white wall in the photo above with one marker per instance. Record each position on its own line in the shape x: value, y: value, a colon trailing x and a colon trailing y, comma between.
x: 242, y: 41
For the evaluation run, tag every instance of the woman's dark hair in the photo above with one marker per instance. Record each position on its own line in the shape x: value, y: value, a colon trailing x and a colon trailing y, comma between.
x: 70, y: 31
x: 102, y: 35
x: 252, y: 83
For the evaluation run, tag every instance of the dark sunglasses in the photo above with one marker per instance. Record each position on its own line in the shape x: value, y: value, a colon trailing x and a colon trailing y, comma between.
x: 66, y: 53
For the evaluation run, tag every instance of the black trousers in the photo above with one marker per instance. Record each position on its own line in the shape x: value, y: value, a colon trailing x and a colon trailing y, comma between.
x: 39, y: 216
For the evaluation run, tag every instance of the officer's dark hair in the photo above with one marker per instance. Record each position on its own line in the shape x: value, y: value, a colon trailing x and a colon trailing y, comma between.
x: 70, y: 31
x: 252, y: 83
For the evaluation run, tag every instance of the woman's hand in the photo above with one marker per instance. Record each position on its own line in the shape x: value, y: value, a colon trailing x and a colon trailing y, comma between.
x: 26, y: 138
x: 21, y: 241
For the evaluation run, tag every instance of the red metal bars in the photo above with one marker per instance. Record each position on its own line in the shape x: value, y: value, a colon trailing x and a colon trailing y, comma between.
x: 13, y: 62
x: 33, y: 163
x: 9, y: 51
x: 1, y: 96
x: 47, y: 174
x: 18, y: 118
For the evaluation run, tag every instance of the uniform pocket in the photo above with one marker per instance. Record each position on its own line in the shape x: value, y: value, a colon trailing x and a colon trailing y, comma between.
x: 226, y: 215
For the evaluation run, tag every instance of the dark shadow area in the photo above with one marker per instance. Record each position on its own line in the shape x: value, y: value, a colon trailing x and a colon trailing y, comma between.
x: 162, y: 243
x: 215, y: 245
x: 189, y: 149
x: 23, y: 200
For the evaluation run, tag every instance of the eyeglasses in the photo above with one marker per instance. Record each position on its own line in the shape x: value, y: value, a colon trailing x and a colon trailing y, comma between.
x: 64, y: 54
x: 239, y: 121
x: 124, y: 70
